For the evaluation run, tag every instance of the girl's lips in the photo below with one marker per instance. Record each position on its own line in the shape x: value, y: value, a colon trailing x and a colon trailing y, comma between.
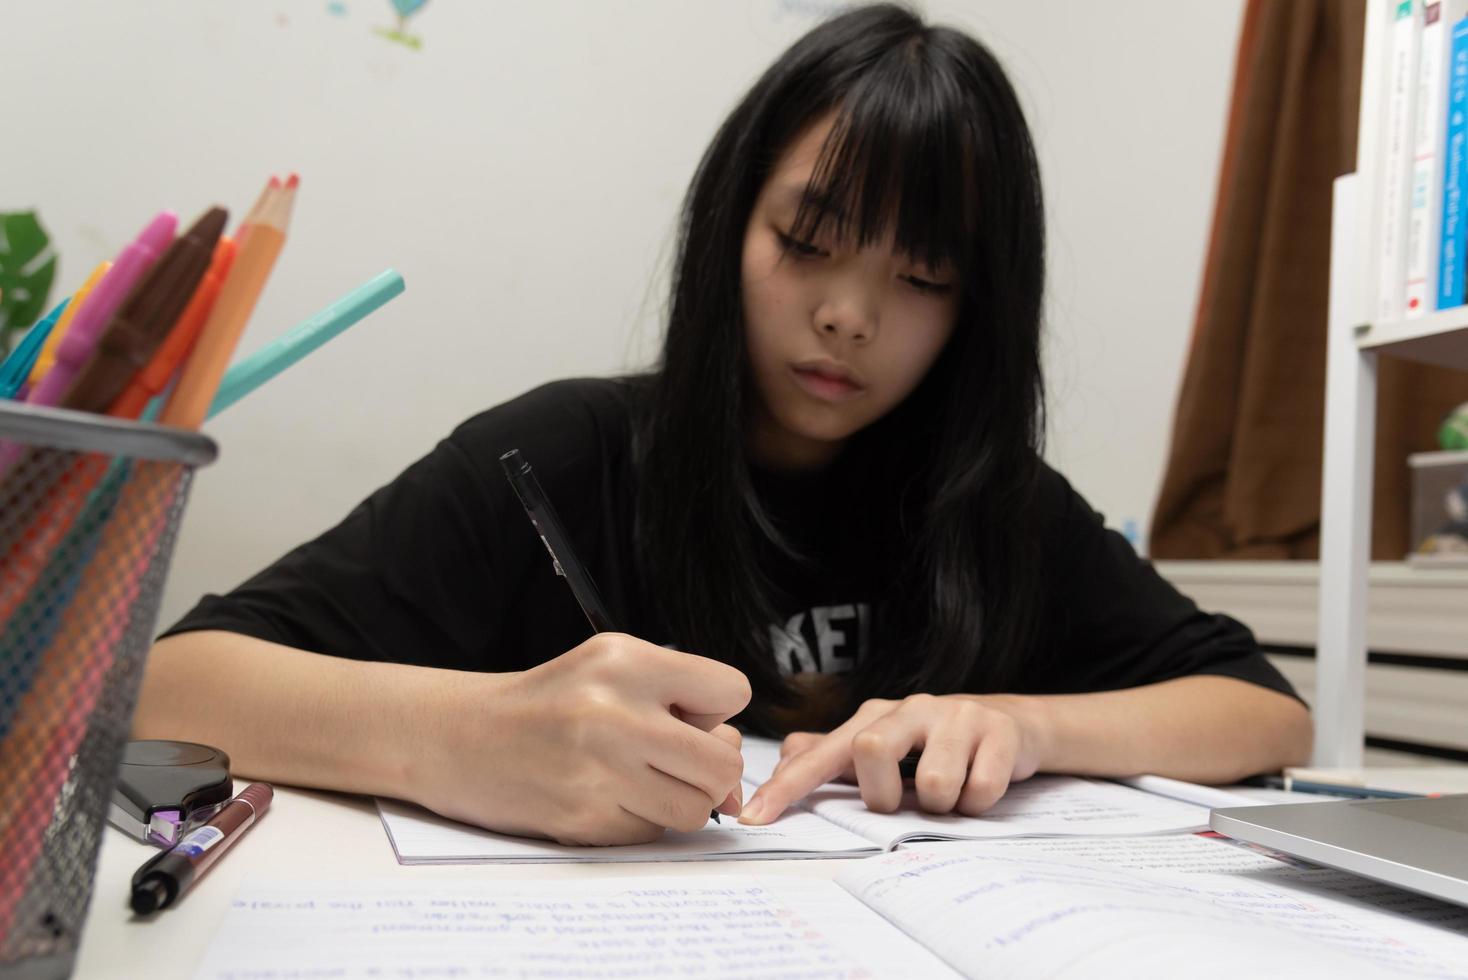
x: 826, y: 387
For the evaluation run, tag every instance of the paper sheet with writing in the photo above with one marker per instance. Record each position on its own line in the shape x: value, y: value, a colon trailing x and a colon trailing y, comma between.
x: 1162, y: 906
x: 737, y: 927
x: 1042, y: 806
x: 832, y: 822
x: 421, y: 837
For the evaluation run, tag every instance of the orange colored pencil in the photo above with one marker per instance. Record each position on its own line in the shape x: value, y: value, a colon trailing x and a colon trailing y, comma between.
x: 205, y: 367
x: 253, y: 215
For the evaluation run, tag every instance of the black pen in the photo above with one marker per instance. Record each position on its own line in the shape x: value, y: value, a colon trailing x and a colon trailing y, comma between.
x: 543, y: 516
x: 553, y: 535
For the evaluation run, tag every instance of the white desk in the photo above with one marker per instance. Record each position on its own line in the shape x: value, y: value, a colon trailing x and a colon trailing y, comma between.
x: 323, y: 837
x: 305, y: 834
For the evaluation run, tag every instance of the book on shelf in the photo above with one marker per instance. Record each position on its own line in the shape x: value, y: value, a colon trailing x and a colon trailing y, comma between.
x: 1429, y: 123
x: 1396, y: 168
x: 1453, y: 238
x: 1422, y: 156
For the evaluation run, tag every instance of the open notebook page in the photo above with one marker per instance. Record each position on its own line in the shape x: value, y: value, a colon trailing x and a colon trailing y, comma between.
x: 761, y: 755
x: 1042, y: 806
x: 697, y: 926
x: 832, y: 822
x: 1163, y: 906
x: 421, y: 837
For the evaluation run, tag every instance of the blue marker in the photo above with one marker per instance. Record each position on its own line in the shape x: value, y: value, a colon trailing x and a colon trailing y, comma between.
x: 302, y: 339
x: 17, y: 366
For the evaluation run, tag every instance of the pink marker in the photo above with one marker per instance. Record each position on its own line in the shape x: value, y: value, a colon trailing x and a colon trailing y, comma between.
x: 86, y: 328
x: 94, y: 315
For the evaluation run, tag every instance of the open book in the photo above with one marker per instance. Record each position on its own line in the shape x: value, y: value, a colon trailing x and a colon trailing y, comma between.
x: 831, y: 823
x: 1178, y: 905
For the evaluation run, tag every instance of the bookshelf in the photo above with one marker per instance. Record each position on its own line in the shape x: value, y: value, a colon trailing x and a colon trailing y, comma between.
x: 1411, y: 609
x: 1416, y: 679
x: 1354, y: 343
x: 1437, y: 338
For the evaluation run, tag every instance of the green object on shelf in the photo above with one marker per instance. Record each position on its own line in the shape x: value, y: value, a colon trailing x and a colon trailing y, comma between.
x: 1453, y: 434
x: 27, y: 269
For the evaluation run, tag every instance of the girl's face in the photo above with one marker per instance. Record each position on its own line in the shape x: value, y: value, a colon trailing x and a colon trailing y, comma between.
x: 837, y: 335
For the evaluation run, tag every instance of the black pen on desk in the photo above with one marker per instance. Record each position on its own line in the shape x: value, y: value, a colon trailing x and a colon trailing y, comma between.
x: 166, y: 876
x: 553, y: 535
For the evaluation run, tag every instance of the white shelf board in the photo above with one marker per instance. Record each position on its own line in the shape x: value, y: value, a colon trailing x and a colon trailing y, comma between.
x: 1408, y: 704
x: 1410, y: 609
x: 1437, y: 338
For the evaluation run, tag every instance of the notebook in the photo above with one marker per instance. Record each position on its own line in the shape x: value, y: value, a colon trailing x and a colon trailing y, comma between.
x: 1175, y: 905
x: 831, y: 823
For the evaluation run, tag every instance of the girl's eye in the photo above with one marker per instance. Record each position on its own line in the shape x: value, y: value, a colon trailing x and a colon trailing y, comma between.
x: 803, y: 249
x: 930, y: 288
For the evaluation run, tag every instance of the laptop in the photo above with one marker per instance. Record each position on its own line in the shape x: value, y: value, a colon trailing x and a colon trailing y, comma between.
x: 1417, y: 844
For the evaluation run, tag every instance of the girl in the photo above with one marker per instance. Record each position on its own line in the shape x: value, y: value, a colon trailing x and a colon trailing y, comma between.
x: 829, y: 492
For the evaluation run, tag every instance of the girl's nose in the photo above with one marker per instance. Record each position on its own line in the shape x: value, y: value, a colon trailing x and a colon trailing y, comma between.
x: 848, y: 311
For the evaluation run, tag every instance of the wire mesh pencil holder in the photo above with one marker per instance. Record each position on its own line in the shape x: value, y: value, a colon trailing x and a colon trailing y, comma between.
x: 89, y: 509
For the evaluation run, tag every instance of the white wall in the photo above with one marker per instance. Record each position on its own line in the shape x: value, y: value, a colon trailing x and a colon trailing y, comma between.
x: 523, y: 169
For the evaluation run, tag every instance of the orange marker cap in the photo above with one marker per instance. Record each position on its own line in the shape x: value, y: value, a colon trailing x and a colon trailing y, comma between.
x: 153, y: 378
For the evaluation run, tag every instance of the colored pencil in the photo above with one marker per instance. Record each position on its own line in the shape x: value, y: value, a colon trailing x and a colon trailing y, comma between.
x: 253, y: 371
x: 189, y: 403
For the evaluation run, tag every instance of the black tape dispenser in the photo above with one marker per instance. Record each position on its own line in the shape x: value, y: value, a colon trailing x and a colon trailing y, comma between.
x: 165, y: 789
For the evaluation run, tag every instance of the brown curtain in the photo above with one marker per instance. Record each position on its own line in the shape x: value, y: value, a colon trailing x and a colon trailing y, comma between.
x: 1243, y: 473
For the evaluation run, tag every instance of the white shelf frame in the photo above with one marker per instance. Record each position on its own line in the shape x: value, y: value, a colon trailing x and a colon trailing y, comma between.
x: 1352, y: 348
x: 1345, y: 506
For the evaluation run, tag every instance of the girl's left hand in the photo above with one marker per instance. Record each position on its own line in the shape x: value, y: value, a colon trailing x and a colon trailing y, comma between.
x: 973, y: 747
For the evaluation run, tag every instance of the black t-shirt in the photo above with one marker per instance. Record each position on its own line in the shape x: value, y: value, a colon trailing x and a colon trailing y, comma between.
x: 442, y: 568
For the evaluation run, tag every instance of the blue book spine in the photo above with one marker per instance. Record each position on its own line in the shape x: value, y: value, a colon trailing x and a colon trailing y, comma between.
x: 1454, y: 239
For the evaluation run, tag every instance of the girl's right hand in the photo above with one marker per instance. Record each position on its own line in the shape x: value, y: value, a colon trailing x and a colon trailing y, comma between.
x: 610, y: 743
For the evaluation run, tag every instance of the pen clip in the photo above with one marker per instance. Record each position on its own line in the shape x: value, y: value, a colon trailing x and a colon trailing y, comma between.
x: 555, y: 562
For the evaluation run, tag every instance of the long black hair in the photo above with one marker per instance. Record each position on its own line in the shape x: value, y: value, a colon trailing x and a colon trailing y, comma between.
x: 928, y: 139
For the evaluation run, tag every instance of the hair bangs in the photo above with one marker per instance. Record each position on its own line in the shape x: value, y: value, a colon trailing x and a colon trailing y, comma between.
x: 897, y: 161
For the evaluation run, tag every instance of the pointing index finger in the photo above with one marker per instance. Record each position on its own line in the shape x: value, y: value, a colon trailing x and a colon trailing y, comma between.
x: 798, y: 776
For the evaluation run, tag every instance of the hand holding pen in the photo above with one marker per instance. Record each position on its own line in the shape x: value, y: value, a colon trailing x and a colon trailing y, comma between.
x: 582, y: 749
x: 548, y: 526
